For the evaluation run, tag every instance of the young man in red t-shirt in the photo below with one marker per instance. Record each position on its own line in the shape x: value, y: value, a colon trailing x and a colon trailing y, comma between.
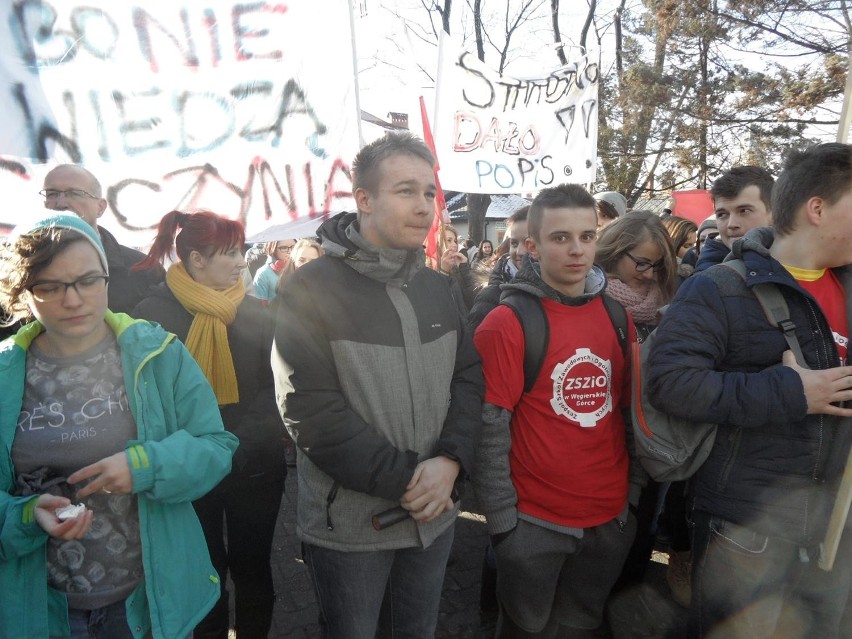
x: 552, y: 466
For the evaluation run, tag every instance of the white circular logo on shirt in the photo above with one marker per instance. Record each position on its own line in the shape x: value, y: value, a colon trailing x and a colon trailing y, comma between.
x: 581, y: 388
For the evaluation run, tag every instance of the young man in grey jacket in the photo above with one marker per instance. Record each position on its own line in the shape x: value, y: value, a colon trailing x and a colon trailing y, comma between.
x: 381, y: 388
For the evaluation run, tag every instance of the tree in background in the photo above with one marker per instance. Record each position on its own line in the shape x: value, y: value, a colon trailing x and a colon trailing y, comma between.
x: 688, y: 87
x: 683, y: 101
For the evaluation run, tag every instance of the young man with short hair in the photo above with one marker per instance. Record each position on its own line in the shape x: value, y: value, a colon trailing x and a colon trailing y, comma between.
x: 741, y: 197
x: 504, y: 270
x: 763, y: 498
x: 610, y: 206
x: 380, y: 386
x: 552, y: 466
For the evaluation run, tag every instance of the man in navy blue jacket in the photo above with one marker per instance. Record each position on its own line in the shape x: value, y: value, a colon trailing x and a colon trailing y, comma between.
x: 763, y: 498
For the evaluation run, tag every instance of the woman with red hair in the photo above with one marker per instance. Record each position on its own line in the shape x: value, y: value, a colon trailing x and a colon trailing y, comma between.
x: 203, y: 301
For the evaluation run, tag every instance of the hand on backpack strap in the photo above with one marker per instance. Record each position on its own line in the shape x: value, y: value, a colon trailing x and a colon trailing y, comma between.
x: 824, y: 388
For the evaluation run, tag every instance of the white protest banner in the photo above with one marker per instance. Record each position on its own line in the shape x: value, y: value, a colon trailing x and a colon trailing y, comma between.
x: 244, y: 108
x: 496, y: 134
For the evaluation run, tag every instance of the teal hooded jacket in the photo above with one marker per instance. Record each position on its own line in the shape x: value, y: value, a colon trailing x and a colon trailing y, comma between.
x: 181, y: 452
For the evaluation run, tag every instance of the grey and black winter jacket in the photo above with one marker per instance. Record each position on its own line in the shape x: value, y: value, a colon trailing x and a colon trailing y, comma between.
x: 773, y: 469
x: 374, y: 372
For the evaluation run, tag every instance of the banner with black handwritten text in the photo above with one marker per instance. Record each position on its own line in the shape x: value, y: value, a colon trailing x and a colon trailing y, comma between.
x: 500, y: 135
x: 244, y: 108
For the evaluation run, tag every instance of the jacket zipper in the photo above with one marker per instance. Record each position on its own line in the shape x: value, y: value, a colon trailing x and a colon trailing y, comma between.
x: 141, y: 409
x: 332, y: 495
x: 830, y: 357
x: 734, y: 440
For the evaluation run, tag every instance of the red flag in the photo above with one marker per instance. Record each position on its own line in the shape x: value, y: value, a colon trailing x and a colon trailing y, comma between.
x: 441, y: 215
x: 696, y: 205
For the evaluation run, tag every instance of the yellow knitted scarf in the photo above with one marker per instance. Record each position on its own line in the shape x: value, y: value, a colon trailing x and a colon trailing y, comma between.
x: 208, y: 336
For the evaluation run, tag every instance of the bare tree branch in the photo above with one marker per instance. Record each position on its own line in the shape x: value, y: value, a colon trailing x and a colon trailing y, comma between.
x: 589, y: 16
x: 477, y: 25
x: 787, y: 37
x: 557, y: 36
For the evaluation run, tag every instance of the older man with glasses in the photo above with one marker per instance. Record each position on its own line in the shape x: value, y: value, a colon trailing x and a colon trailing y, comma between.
x: 69, y: 187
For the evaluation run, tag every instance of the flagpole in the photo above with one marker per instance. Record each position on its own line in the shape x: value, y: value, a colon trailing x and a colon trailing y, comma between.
x: 837, y: 522
x: 846, y: 111
x: 441, y: 216
x: 351, y: 4
x: 441, y: 50
x: 843, y: 501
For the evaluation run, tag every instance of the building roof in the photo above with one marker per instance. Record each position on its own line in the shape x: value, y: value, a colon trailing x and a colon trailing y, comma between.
x: 501, y: 207
x: 655, y: 204
x: 398, y: 123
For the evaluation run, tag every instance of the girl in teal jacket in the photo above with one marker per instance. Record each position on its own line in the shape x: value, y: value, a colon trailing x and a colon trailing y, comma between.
x: 179, y: 451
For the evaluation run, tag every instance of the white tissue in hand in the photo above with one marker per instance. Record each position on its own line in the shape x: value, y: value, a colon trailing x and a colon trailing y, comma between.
x: 70, y: 511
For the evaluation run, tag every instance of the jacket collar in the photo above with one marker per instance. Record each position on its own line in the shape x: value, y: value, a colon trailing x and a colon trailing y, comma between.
x: 117, y: 322
x: 757, y: 240
x: 529, y: 280
x: 754, y: 249
x: 341, y: 239
x: 112, y: 248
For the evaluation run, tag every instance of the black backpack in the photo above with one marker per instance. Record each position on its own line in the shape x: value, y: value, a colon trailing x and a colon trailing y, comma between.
x: 530, y: 313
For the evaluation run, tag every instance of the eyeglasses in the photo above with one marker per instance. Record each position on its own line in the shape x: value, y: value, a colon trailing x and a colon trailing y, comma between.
x: 284, y: 248
x: 87, y: 286
x: 709, y: 236
x: 78, y: 194
x: 644, y: 265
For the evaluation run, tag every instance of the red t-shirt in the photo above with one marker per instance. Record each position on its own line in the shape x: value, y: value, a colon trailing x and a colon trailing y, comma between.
x: 831, y: 298
x: 569, y: 456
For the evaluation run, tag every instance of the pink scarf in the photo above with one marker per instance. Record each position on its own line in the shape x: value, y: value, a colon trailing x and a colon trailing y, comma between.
x: 642, y: 308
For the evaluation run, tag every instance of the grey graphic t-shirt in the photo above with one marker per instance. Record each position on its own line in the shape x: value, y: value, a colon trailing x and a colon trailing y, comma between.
x: 75, y: 412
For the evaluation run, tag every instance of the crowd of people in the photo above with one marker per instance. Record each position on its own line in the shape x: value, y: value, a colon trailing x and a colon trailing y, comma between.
x: 154, y: 403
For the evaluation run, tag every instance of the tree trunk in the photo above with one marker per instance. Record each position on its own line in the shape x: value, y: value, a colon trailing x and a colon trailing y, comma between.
x: 477, y: 27
x: 477, y: 205
x: 590, y: 15
x: 619, y: 41
x: 557, y: 35
x: 445, y: 15
x: 705, y: 110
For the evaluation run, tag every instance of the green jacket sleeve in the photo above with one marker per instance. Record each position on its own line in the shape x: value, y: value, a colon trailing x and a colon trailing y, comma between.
x: 20, y: 534
x: 183, y: 450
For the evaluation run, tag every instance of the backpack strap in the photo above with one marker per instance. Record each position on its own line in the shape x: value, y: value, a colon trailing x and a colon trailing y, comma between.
x: 618, y: 317
x: 774, y: 307
x: 530, y: 313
